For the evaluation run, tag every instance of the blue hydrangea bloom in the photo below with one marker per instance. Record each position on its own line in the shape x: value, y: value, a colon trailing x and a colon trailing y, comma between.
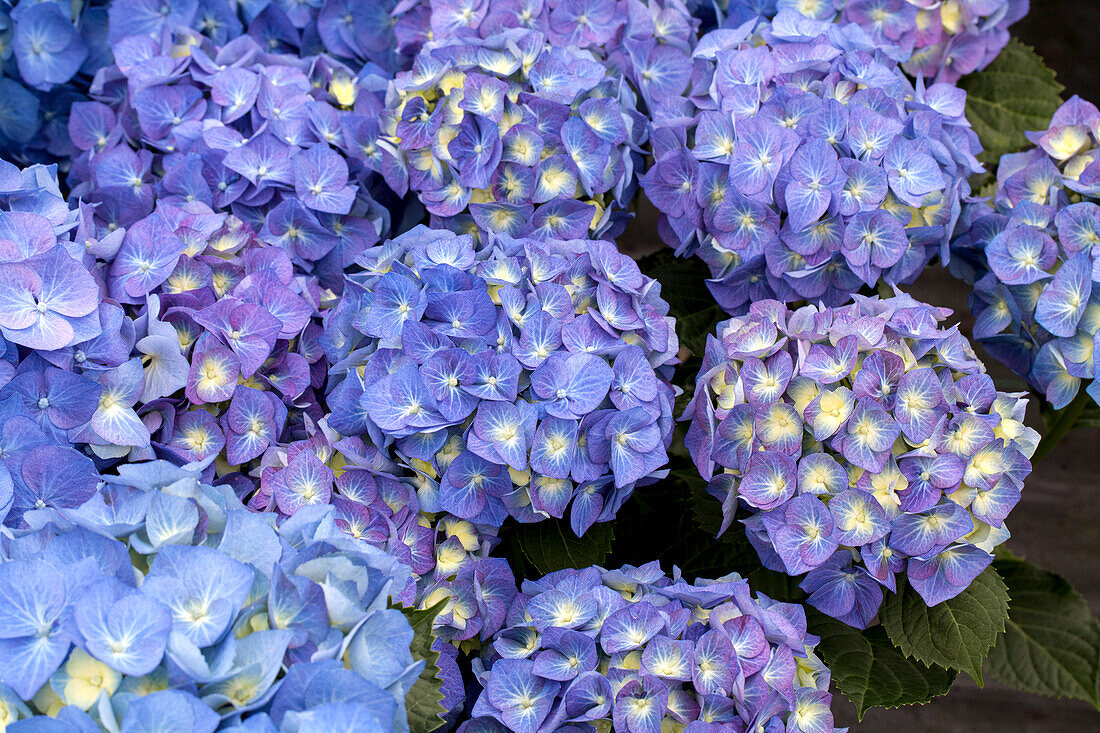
x: 48, y: 298
x: 288, y: 145
x: 373, y: 501
x: 50, y: 52
x: 382, y: 33
x: 1030, y: 254
x: 641, y: 651
x: 804, y: 165
x: 113, y: 334
x: 940, y: 40
x: 514, y: 135
x: 521, y: 378
x: 649, y: 43
x: 163, y: 598
x: 864, y: 441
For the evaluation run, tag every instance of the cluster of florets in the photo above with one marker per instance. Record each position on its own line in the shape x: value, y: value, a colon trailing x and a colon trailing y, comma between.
x: 477, y: 597
x: 644, y: 652
x: 288, y: 145
x: 64, y: 354
x: 355, y: 31
x: 372, y: 503
x: 1033, y: 254
x: 203, y: 343
x: 804, y: 165
x: 936, y: 39
x: 163, y: 599
x: 48, y: 50
x: 513, y: 379
x: 864, y: 442
x: 510, y: 134
x: 203, y: 349
x: 648, y: 42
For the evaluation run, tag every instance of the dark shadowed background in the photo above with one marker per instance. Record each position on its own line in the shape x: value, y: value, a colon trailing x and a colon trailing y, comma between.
x: 1057, y: 523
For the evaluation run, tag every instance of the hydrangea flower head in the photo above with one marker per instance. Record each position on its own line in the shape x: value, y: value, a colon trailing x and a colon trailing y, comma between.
x: 50, y: 52
x: 163, y: 598
x: 48, y: 298
x: 511, y: 134
x: 285, y: 144
x: 524, y: 378
x: 864, y: 442
x: 1032, y: 256
x: 223, y: 190
x: 940, y: 40
x: 137, y: 341
x: 65, y: 375
x: 649, y: 43
x: 804, y: 165
x: 638, y: 650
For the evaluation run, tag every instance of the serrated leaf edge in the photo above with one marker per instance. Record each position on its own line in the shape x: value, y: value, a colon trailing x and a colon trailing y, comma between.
x: 903, y: 642
x: 429, y: 676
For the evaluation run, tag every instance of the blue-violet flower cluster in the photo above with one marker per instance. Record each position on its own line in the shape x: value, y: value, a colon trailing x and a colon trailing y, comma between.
x: 163, y: 601
x: 66, y: 374
x: 287, y: 145
x: 648, y: 42
x: 863, y: 442
x: 514, y: 378
x: 182, y: 335
x: 804, y: 165
x: 1033, y: 254
x: 357, y: 32
x: 49, y: 52
x: 638, y: 651
x: 939, y: 39
x: 511, y: 134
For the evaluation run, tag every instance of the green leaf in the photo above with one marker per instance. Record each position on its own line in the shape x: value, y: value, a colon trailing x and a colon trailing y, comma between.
x: 684, y: 287
x: 957, y: 633
x: 872, y: 672
x: 1013, y: 95
x: 551, y: 545
x: 1089, y: 417
x: 424, y: 703
x: 1051, y: 644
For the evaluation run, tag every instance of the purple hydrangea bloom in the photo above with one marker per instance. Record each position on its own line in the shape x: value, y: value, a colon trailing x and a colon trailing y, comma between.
x: 68, y: 384
x: 374, y: 504
x: 525, y: 378
x: 634, y: 647
x: 51, y: 51
x: 1031, y: 256
x: 802, y: 164
x: 512, y: 134
x: 287, y: 145
x: 134, y: 584
x: 222, y: 192
x: 940, y: 40
x: 49, y: 299
x: 864, y: 441
x: 648, y: 42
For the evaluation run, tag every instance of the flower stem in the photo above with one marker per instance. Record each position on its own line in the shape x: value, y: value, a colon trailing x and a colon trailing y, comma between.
x: 1063, y: 422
